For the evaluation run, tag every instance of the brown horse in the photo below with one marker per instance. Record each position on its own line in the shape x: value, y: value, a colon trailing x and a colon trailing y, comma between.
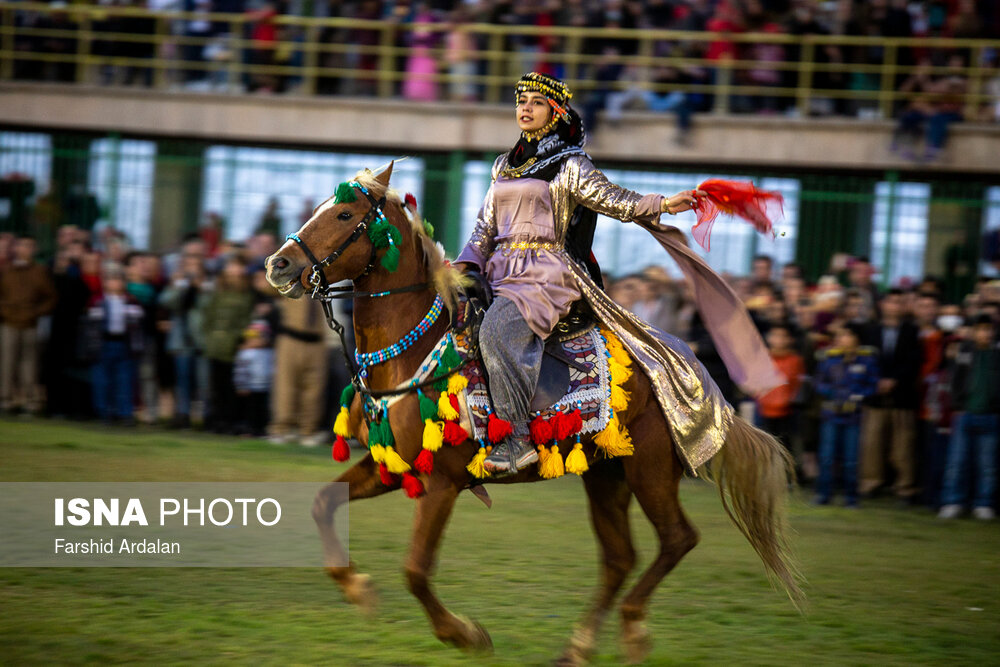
x: 752, y: 469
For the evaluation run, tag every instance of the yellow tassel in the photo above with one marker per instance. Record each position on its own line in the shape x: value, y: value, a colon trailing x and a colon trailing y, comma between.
x: 543, y: 454
x: 342, y: 426
x: 619, y: 398
x: 552, y: 466
x: 394, y: 462
x: 476, y: 466
x: 616, y: 349
x: 576, y: 460
x: 377, y: 452
x: 615, y: 439
x: 619, y: 373
x: 445, y: 411
x: 433, y: 432
x: 457, y: 383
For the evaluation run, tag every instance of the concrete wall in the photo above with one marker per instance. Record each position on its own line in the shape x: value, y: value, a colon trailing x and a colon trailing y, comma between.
x: 402, y: 127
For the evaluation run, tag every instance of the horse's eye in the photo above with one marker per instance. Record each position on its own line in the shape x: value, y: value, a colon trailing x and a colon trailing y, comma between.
x: 345, y: 215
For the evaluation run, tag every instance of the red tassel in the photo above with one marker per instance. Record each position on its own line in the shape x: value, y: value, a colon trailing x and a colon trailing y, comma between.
x: 387, y: 478
x: 413, y: 486
x: 541, y: 430
x: 411, y: 201
x: 734, y: 198
x: 424, y: 462
x: 454, y: 434
x: 341, y: 452
x: 453, y: 399
x: 574, y: 422
x: 497, y: 429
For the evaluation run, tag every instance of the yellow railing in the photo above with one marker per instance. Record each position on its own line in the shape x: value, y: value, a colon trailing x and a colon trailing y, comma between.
x: 88, y: 44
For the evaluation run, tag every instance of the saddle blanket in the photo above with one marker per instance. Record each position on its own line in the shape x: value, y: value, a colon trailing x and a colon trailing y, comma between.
x: 588, y: 391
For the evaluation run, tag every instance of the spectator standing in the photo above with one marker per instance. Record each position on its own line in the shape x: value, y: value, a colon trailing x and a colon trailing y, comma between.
x: 117, y: 330
x: 847, y: 374
x: 182, y: 300
x: 300, y: 372
x: 225, y: 313
x: 253, y: 370
x: 26, y: 294
x: 67, y: 381
x: 890, y: 415
x: 775, y: 409
x: 140, y: 288
x: 974, y: 437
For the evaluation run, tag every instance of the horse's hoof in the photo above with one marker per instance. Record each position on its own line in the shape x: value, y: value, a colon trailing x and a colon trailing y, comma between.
x: 358, y: 590
x: 581, y: 648
x: 467, y: 635
x: 636, y: 641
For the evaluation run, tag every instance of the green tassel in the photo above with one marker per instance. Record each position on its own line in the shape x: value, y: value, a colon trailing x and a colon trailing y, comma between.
x: 428, y: 408
x: 391, y: 259
x: 388, y: 439
x: 429, y: 229
x: 449, y: 358
x: 441, y: 372
x: 344, y: 194
x: 347, y: 396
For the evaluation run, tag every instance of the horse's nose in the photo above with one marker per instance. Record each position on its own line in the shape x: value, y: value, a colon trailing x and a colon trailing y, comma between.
x: 279, y: 263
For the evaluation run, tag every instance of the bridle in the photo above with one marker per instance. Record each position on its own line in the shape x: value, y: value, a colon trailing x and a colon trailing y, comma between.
x: 317, y: 278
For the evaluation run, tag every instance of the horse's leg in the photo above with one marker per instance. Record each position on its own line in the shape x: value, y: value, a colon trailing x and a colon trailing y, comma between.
x: 653, y: 474
x: 364, y: 482
x: 609, y: 498
x: 433, y: 510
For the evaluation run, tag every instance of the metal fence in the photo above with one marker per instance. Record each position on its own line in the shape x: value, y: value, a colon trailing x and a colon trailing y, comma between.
x: 806, y: 74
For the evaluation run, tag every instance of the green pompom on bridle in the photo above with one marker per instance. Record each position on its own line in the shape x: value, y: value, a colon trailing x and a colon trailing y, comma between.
x: 381, y: 232
x: 345, y: 194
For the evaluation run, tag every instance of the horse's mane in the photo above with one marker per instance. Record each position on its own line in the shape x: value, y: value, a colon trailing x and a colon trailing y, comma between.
x: 447, y: 280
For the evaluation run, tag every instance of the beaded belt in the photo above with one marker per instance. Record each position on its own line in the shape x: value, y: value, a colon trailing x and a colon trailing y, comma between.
x: 507, y: 247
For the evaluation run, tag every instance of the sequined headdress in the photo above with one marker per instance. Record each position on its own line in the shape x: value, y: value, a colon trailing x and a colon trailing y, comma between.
x: 554, y: 90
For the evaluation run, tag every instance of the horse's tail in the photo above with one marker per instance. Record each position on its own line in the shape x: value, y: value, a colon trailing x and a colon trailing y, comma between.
x: 753, y: 471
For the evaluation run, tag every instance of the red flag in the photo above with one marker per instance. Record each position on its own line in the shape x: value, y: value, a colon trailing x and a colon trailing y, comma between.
x: 734, y: 198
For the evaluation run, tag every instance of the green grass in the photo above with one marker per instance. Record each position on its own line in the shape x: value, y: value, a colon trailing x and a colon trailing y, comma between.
x: 885, y: 586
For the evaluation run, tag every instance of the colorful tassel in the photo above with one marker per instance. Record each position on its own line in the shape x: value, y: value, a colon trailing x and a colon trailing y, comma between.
x: 541, y: 430
x: 341, y: 426
x: 543, y: 454
x: 477, y: 464
x: 386, y: 477
x: 453, y: 399
x: 619, y: 398
x: 616, y: 349
x: 445, y: 409
x: 410, y: 201
x: 424, y: 462
x: 450, y: 358
x: 457, y: 383
x: 574, y: 421
x: 394, y: 462
x: 620, y: 373
x: 341, y: 452
x: 347, y: 396
x: 413, y: 486
x: 428, y: 408
x: 433, y: 435
x: 576, y: 460
x: 563, y: 426
x: 552, y: 466
x: 615, y: 439
x: 454, y: 434
x: 390, y: 260
x: 497, y: 429
x: 377, y: 452
x: 344, y: 194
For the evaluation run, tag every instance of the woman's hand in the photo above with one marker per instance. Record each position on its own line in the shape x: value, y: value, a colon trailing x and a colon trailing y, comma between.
x: 682, y: 201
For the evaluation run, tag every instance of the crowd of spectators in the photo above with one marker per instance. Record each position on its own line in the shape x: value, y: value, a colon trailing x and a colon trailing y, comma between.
x: 197, y: 337
x: 206, y: 48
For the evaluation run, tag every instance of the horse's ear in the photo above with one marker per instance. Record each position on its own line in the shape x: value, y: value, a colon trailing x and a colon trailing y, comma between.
x: 385, y: 174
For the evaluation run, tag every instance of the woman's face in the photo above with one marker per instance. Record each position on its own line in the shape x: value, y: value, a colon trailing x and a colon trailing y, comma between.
x: 533, y: 111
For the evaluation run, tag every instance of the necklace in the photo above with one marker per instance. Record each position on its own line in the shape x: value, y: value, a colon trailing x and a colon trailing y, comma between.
x: 366, y: 359
x: 542, y: 131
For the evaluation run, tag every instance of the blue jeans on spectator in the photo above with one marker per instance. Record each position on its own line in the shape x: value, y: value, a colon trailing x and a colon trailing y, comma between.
x: 838, y: 440
x: 112, y: 376
x: 978, y: 432
x: 184, y: 384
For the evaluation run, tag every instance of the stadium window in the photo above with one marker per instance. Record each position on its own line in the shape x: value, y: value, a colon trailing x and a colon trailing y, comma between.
x: 991, y: 226
x: 121, y: 177
x: 898, y: 240
x: 26, y: 155
x: 241, y: 181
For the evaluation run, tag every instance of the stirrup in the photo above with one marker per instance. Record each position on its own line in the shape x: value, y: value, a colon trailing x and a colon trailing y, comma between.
x: 513, y: 454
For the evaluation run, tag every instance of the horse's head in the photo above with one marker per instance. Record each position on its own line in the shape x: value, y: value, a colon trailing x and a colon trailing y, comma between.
x: 327, y: 235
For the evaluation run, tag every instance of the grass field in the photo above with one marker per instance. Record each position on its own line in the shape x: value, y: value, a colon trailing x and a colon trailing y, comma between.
x: 885, y: 586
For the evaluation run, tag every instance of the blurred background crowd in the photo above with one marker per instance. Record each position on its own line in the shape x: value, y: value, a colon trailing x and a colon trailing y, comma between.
x: 889, y: 390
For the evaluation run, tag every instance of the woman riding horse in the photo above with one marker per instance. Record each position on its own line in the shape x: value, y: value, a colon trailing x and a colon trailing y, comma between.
x: 532, y: 243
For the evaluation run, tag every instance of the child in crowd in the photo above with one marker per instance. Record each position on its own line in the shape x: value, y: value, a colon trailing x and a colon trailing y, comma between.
x: 847, y: 374
x: 253, y: 370
x: 775, y: 409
